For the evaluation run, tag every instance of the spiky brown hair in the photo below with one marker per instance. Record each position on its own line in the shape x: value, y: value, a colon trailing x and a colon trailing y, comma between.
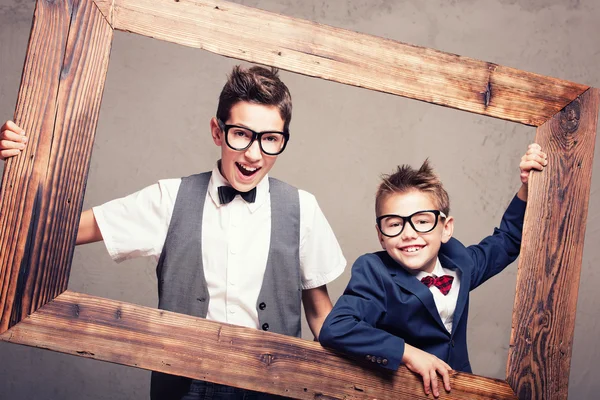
x: 257, y: 85
x: 406, y: 179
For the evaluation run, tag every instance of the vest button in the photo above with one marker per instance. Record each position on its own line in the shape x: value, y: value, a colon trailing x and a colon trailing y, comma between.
x: 262, y: 306
x: 265, y: 327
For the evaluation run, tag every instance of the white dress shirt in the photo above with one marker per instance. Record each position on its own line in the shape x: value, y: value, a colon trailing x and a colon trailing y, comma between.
x: 235, y: 242
x: 445, y: 304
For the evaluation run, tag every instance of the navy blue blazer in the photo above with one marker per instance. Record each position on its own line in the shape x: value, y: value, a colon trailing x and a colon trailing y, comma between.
x: 384, y: 306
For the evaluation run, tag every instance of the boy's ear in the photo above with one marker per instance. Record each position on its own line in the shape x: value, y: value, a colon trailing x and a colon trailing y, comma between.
x: 448, y: 229
x: 215, y: 131
x: 380, y: 236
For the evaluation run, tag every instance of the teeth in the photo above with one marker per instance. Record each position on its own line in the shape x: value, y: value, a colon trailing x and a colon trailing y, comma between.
x: 411, y: 249
x: 249, y: 169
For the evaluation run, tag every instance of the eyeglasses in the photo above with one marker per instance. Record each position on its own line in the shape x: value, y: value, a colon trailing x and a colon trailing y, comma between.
x: 391, y: 225
x: 241, y: 138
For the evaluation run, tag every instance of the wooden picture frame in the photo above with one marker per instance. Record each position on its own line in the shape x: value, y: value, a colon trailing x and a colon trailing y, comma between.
x: 42, y: 196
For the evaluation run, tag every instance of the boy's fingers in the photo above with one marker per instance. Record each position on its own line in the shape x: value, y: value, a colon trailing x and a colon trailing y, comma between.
x: 534, y: 146
x: 446, y: 376
x: 15, y: 137
x: 9, y: 144
x: 529, y: 165
x: 4, y: 154
x: 535, y: 151
x: 9, y: 125
x: 434, y: 383
x: 536, y: 157
x: 426, y: 382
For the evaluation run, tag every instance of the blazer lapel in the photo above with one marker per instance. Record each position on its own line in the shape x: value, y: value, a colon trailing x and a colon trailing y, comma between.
x: 413, y: 285
x: 463, y: 292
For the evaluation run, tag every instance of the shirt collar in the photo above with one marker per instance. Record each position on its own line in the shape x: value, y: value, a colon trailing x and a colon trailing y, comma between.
x: 437, y: 271
x: 216, y: 180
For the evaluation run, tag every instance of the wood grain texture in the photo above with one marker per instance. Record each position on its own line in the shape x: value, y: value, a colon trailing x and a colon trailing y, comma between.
x: 153, y: 339
x: 106, y: 8
x: 348, y: 57
x: 551, y: 254
x: 24, y: 175
x: 42, y: 189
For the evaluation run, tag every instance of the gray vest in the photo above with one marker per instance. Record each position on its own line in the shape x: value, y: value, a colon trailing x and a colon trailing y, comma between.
x: 182, y: 285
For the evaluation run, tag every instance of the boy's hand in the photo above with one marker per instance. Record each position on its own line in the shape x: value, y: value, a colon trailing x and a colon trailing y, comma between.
x: 428, y: 366
x: 534, y: 158
x: 12, y: 140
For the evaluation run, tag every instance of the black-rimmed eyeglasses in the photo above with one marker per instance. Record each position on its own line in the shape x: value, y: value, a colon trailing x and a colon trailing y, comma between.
x: 391, y: 225
x: 240, y: 138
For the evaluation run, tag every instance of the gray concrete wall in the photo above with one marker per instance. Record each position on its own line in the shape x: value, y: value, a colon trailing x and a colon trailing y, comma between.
x: 154, y: 124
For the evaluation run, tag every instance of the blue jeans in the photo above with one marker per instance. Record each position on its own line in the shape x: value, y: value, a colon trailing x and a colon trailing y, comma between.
x: 200, y: 390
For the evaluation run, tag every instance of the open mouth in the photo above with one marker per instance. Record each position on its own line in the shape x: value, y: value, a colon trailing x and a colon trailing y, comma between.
x: 412, y: 249
x: 245, y: 170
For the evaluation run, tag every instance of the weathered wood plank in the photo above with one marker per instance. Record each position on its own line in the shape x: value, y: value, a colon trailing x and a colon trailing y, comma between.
x: 24, y: 175
x: 147, y: 338
x: 105, y: 7
x: 42, y: 191
x: 551, y: 254
x: 348, y: 57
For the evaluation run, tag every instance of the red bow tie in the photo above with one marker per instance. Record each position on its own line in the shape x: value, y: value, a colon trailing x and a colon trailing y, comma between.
x: 444, y: 282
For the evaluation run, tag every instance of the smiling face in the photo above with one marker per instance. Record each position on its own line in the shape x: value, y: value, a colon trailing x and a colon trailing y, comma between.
x: 245, y: 169
x: 414, y: 251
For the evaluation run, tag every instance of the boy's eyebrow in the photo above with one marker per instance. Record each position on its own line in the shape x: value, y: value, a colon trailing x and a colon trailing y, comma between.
x: 253, y: 130
x: 416, y: 212
x: 239, y: 124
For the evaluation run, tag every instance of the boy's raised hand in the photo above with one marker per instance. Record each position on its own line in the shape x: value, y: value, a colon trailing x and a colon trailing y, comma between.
x: 534, y: 158
x: 428, y: 366
x: 12, y: 140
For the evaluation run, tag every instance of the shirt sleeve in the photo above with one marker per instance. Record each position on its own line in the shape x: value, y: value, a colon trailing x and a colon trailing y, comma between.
x: 137, y: 225
x: 497, y: 251
x: 352, y: 326
x: 321, y: 258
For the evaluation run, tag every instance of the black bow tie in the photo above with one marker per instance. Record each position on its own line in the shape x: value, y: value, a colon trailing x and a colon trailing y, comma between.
x: 228, y: 193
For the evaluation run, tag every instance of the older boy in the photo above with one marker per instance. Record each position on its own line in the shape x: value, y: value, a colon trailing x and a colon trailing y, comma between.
x: 232, y: 245
x: 409, y: 303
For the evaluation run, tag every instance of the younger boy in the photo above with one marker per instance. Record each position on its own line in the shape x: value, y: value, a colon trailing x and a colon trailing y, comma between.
x: 409, y: 303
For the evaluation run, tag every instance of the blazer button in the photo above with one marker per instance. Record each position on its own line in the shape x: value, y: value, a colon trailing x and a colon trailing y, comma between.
x: 379, y: 360
x: 368, y: 357
x: 265, y: 327
x: 452, y: 343
x: 373, y: 359
x: 262, y: 306
x: 384, y: 361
